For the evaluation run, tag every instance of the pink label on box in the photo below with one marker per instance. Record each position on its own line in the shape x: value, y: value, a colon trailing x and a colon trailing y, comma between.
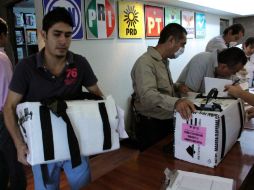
x: 194, y: 134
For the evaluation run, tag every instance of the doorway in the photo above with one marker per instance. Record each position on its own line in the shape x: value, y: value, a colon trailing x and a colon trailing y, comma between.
x: 224, y: 23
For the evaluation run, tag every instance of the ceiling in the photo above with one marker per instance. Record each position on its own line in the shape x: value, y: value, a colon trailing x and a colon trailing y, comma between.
x: 232, y: 8
x: 229, y: 8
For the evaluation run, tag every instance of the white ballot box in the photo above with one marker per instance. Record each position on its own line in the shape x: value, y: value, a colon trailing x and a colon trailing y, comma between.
x: 88, y: 123
x: 183, y: 180
x: 209, y: 135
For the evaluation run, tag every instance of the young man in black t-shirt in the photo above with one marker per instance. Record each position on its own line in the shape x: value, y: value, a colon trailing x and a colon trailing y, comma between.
x: 53, y: 72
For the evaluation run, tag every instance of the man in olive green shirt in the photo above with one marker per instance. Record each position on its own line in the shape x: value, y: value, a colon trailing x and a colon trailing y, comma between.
x: 155, y: 97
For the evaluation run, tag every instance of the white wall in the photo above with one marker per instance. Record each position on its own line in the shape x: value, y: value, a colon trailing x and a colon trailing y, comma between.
x: 113, y: 59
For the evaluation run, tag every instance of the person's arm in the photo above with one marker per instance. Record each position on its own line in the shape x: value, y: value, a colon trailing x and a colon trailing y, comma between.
x: 146, y: 88
x: 5, y: 78
x: 10, y: 120
x: 94, y: 89
x: 237, y: 92
x: 185, y: 108
x: 250, y: 113
x: 182, y: 88
x: 144, y: 78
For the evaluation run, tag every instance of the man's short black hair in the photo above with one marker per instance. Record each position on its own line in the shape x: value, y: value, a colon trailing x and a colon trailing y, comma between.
x: 172, y: 29
x: 3, y: 27
x: 249, y: 41
x: 232, y: 56
x: 58, y: 14
x: 235, y: 28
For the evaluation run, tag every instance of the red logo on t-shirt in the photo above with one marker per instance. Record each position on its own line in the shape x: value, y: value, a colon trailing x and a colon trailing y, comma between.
x: 71, y: 76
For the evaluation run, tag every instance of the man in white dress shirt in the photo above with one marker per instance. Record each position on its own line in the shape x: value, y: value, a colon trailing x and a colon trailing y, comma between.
x: 230, y: 37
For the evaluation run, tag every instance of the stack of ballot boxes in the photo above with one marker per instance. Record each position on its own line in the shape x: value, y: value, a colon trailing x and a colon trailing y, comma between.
x: 210, y: 134
x: 88, y: 123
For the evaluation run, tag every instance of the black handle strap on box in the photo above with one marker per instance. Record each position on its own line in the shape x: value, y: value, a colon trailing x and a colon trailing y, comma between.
x: 47, y: 133
x: 212, y: 95
x: 107, y: 144
x: 241, y: 118
x: 223, y: 124
x: 82, y: 96
x: 223, y: 130
x: 58, y: 107
x: 209, y: 107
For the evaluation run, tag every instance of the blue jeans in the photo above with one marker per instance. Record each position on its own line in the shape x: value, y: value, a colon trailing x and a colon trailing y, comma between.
x: 77, y: 177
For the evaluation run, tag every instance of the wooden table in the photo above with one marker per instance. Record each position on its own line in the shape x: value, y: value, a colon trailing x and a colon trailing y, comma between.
x: 146, y: 171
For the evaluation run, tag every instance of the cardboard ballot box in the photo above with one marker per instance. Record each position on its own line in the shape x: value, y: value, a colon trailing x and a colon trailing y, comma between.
x: 183, y: 180
x: 88, y: 123
x: 209, y: 135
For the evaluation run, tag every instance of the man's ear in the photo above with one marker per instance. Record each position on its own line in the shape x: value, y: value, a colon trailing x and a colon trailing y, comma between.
x: 43, y: 34
x: 244, y: 46
x: 171, y: 41
x: 222, y: 66
x: 230, y: 32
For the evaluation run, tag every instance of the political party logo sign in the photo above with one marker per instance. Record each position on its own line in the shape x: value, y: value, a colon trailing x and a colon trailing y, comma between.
x: 74, y: 7
x: 188, y: 23
x: 100, y: 19
x: 172, y: 15
x: 131, y: 19
x: 200, y: 25
x: 154, y: 20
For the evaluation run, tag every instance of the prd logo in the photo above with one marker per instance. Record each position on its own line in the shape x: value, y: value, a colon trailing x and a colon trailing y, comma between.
x: 101, y: 18
x: 72, y: 7
x: 131, y: 18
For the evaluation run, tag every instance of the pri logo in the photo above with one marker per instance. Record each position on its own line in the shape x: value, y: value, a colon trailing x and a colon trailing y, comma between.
x: 101, y: 18
x: 74, y: 8
x: 131, y: 18
x: 191, y: 150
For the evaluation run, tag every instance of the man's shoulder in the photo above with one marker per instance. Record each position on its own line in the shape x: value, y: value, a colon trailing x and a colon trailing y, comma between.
x: 201, y: 59
x: 29, y: 58
x: 217, y: 39
x: 4, y: 56
x: 29, y: 61
x: 202, y: 55
x: 144, y: 61
x: 76, y: 56
x: 77, y: 59
x: 4, y: 60
x: 145, y: 58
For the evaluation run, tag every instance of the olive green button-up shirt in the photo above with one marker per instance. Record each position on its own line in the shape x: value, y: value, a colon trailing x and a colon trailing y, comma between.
x: 153, y: 86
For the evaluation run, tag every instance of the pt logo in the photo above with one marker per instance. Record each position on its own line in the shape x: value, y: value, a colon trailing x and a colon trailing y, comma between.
x: 74, y: 8
x: 191, y: 150
x: 101, y: 18
x: 154, y: 20
x: 131, y: 18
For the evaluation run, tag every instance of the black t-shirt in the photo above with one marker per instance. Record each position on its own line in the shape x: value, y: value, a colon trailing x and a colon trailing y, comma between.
x: 35, y: 83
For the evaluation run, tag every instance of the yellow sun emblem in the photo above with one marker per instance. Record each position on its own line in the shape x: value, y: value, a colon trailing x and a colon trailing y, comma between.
x: 131, y: 16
